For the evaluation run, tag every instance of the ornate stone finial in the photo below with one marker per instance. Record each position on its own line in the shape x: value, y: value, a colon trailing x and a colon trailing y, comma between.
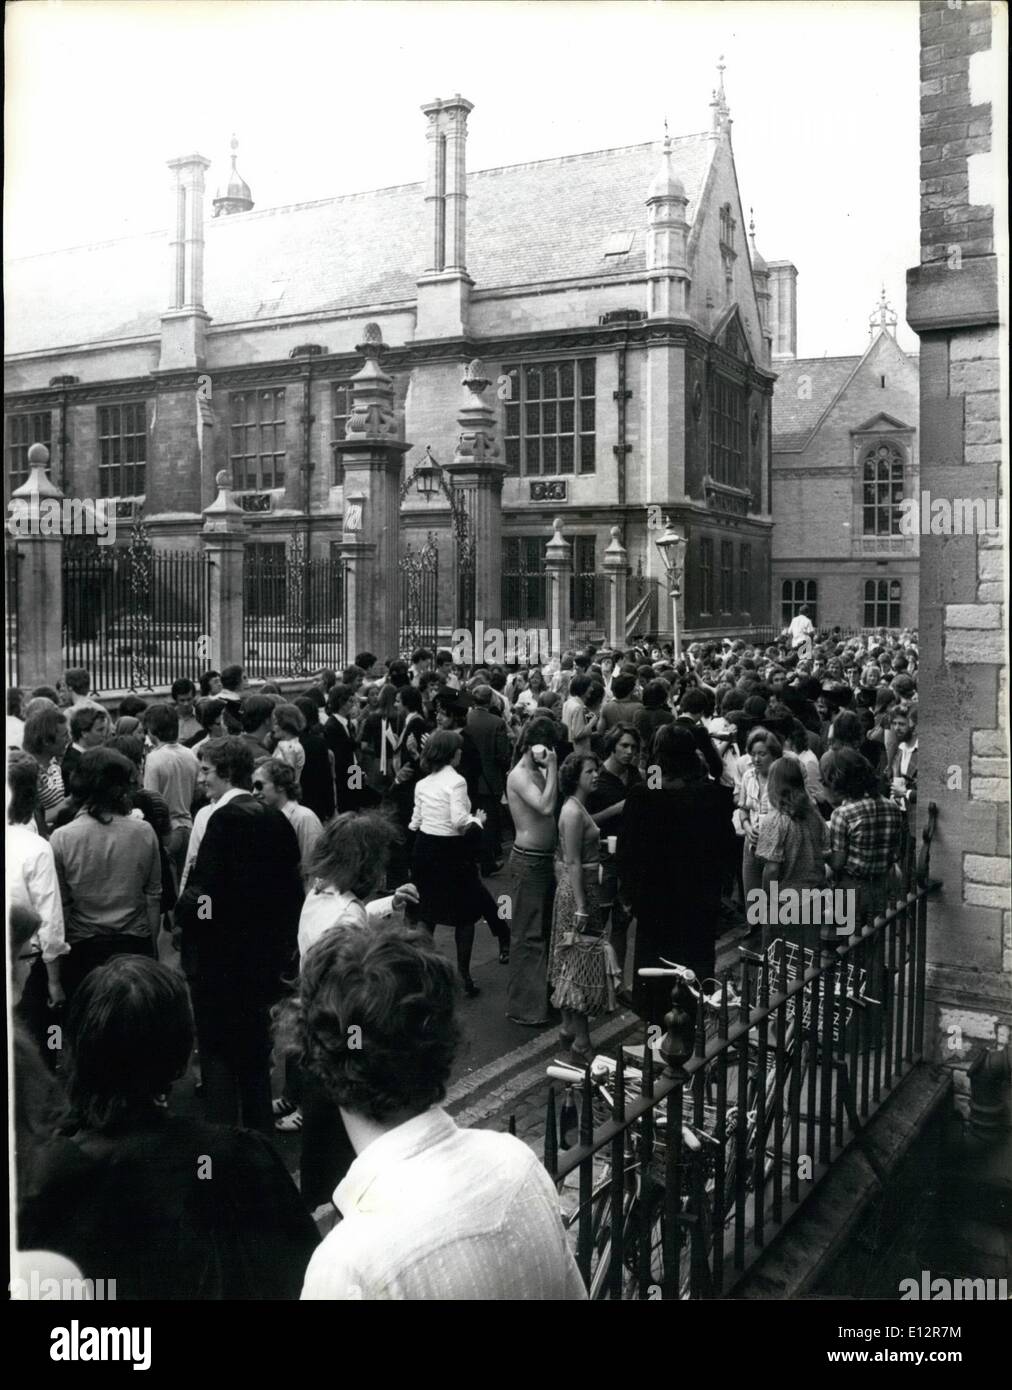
x: 372, y: 347
x: 883, y: 318
x: 721, y: 111
x: 615, y: 554
x: 474, y: 377
x: 221, y: 480
x: 235, y: 196
x: 38, y: 484
x: 38, y: 456
x: 477, y: 442
x: 557, y: 528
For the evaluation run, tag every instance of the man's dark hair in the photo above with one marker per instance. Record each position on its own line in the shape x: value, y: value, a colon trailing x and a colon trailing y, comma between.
x: 83, y: 719
x: 497, y: 678
x: 444, y: 658
x: 327, y: 679
x: 623, y: 685
x: 78, y: 680
x: 655, y: 695
x: 256, y: 711
x: 365, y: 661
x: 231, y: 677
x: 15, y: 699
x: 310, y: 711
x: 374, y: 1021
x: 45, y: 692
x: 128, y: 1037
x: 850, y: 774
x: 23, y: 782
x: 205, y: 681
x: 208, y: 711
x: 131, y: 707
x: 183, y: 688
x: 101, y: 783
x: 539, y: 730
x: 593, y: 696
x: 162, y: 722
x: 675, y: 752
x: 232, y: 760
x: 581, y: 661
x: 848, y: 728
x: 693, y: 702
x: 130, y: 745
x: 441, y: 749
x: 350, y: 674
x: 617, y: 733
x: 422, y: 654
x: 397, y: 673
x: 580, y: 684
x: 410, y: 698
x: 317, y: 695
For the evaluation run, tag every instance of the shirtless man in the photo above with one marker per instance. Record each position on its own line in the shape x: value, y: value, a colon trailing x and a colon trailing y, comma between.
x: 531, y: 790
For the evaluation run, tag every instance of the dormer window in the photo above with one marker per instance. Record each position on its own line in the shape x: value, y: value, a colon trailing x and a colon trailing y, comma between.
x: 618, y: 244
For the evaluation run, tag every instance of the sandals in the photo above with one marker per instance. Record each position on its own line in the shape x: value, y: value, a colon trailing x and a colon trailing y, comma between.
x: 289, y: 1124
x: 282, y: 1107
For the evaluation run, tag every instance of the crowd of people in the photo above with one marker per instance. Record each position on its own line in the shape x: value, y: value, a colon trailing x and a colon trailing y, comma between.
x: 266, y: 876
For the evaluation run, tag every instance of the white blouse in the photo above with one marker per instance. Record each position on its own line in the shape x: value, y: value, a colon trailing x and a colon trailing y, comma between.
x: 442, y: 806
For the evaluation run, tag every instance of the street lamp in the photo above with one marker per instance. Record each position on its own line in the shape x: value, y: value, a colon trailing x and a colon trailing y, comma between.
x: 672, y: 548
x: 431, y: 479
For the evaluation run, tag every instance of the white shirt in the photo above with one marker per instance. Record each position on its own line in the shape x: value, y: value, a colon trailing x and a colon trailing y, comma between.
x: 32, y: 883
x: 15, y: 731
x: 432, y: 1211
x: 325, y: 908
x: 800, y: 629
x: 442, y: 806
x: 308, y: 829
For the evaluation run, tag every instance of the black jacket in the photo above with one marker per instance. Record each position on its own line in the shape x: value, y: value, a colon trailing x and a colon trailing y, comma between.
x: 343, y: 746
x: 489, y: 736
x: 704, y: 743
x: 240, y: 910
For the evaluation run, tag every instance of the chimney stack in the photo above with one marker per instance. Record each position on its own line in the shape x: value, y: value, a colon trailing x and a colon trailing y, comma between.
x: 185, y: 323
x: 444, y: 288
x: 783, y: 310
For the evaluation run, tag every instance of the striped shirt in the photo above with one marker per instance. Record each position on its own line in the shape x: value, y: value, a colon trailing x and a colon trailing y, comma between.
x: 868, y: 831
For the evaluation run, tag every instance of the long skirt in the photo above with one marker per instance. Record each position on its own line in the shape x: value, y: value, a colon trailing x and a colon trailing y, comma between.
x: 444, y: 869
x: 582, y: 969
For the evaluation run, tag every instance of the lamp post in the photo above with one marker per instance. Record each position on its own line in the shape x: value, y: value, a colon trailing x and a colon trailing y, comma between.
x: 672, y: 548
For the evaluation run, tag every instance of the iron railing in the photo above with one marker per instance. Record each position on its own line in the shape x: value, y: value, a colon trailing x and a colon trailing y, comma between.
x: 293, y: 613
x: 419, y: 569
x: 776, y: 1091
x: 134, y: 617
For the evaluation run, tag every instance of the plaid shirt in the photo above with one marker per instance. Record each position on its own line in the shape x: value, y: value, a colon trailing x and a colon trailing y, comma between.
x: 869, y: 832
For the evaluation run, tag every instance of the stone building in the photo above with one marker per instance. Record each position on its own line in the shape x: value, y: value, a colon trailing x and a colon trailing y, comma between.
x: 845, y: 458
x: 611, y: 296
x: 953, y: 305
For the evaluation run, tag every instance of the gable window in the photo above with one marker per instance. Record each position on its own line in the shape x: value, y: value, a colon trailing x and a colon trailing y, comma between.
x: 794, y: 593
x: 882, y: 601
x: 727, y: 432
x: 745, y: 577
x: 706, y: 575
x: 257, y: 439
x: 341, y: 402
x: 122, y: 449
x: 726, y: 576
x: 22, y: 432
x: 550, y: 418
x: 882, y: 490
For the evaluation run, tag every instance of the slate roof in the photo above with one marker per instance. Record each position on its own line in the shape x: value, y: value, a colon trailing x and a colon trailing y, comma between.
x: 794, y: 417
x: 527, y: 224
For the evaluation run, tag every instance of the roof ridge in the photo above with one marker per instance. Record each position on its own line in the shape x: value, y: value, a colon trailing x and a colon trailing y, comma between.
x: 258, y: 213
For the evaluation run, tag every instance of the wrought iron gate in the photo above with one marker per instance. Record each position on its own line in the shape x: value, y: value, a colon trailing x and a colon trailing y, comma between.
x: 419, y: 597
x: 293, y: 610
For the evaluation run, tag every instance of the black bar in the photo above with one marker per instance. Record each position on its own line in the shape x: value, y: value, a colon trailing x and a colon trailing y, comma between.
x: 759, y: 1158
x: 720, y: 1164
x: 672, y: 1282
x: 616, y: 1265
x: 899, y: 1027
x: 741, y: 1124
x: 825, y: 1061
x: 584, y: 1241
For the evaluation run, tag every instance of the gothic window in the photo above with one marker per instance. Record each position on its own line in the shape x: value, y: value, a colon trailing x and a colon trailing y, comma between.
x: 22, y: 432
x: 257, y: 442
x: 727, y: 226
x: 726, y: 576
x: 340, y: 410
x: 882, y: 490
x: 745, y: 577
x: 122, y: 449
x: 550, y: 418
x: 706, y: 575
x: 882, y: 598
x: 793, y: 594
x: 727, y: 432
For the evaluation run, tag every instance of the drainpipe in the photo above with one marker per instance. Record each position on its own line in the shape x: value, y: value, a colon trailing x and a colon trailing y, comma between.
x: 621, y: 449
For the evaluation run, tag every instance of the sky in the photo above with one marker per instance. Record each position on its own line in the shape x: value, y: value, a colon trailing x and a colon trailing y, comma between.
x: 324, y: 98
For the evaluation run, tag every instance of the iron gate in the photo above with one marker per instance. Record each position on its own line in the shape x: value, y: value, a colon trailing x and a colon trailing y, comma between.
x: 419, y: 597
x: 293, y: 611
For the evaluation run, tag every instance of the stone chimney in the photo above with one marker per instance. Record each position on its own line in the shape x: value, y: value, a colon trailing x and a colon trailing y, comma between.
x: 783, y: 310
x: 445, y: 287
x: 184, y: 325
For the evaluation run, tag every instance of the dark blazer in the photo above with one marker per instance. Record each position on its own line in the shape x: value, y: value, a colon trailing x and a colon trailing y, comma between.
x: 240, y: 910
x: 488, y: 733
x: 705, y: 745
x: 343, y: 746
x: 470, y: 765
x: 317, y: 775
